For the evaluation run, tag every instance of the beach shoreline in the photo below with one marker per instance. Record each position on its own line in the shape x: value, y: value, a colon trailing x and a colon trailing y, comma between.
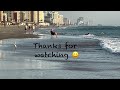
x: 14, y: 31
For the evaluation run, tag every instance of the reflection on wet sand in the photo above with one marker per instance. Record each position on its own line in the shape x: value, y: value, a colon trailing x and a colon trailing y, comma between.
x: 1, y: 55
x: 1, y: 42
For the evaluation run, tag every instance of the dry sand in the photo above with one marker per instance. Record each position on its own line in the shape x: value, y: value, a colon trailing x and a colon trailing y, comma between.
x: 14, y: 32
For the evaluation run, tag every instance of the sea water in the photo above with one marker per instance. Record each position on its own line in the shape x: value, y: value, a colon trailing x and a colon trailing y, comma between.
x: 99, y: 54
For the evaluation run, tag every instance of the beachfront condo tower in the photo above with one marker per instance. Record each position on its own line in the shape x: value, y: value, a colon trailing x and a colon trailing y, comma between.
x: 1, y: 16
x: 35, y: 16
x: 16, y: 16
x: 41, y: 16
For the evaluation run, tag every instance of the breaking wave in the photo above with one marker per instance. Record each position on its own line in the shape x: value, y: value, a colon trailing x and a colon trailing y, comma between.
x: 110, y: 44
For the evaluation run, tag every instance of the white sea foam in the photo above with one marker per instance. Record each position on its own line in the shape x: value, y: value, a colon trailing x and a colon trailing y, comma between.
x: 89, y: 36
x: 112, y: 44
x: 62, y: 27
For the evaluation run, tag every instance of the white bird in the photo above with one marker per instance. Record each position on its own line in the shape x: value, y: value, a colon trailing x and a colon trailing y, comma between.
x: 15, y: 45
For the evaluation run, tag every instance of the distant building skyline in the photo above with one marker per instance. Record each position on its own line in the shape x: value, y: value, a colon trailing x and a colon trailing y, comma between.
x: 95, y: 17
x: 90, y: 17
x: 37, y: 17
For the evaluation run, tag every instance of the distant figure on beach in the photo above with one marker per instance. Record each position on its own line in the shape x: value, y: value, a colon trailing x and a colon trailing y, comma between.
x: 4, y: 24
x: 33, y: 27
x: 29, y: 27
x: 9, y: 24
x: 15, y: 46
x: 18, y: 25
x: 26, y: 27
x: 53, y: 33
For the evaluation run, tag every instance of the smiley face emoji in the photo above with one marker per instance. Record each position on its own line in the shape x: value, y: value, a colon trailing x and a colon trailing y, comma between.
x: 75, y: 54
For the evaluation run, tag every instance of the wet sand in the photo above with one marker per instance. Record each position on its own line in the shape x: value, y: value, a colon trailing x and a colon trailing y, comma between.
x: 14, y: 32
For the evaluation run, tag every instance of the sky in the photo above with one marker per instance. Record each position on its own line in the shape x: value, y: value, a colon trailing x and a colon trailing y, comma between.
x: 98, y: 17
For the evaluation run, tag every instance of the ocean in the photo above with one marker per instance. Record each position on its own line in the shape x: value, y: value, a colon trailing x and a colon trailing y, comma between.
x: 99, y: 54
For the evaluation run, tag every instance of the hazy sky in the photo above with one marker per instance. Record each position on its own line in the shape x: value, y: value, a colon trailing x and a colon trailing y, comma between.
x: 98, y: 17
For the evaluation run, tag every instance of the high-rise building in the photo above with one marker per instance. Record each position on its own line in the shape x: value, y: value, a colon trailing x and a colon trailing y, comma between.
x: 60, y: 19
x: 90, y: 22
x: 69, y: 22
x: 55, y: 16
x: 66, y: 21
x: 27, y: 15
x: 49, y: 17
x: 1, y: 16
x: 9, y: 15
x: 80, y: 21
x: 45, y: 13
x: 22, y: 16
x: 35, y: 16
x: 41, y: 16
x: 31, y: 16
x: 16, y: 16
x: 4, y: 17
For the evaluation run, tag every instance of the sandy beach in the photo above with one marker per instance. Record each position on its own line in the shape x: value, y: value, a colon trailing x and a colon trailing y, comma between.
x: 14, y: 32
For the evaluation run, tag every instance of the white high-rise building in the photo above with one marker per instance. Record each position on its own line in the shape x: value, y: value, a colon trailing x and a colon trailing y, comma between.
x: 1, y: 16
x: 55, y: 17
x: 35, y: 16
x: 28, y: 15
x: 41, y: 16
x: 60, y: 21
x: 5, y: 17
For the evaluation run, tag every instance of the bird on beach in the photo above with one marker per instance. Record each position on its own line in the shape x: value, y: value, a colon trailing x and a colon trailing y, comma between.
x: 15, y: 45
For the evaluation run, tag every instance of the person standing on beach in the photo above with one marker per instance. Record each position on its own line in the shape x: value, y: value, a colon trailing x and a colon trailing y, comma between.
x: 4, y: 24
x: 19, y: 25
x: 26, y: 27
x: 33, y: 27
x: 29, y: 28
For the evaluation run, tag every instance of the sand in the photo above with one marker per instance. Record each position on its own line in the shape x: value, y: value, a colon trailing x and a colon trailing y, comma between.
x: 14, y: 32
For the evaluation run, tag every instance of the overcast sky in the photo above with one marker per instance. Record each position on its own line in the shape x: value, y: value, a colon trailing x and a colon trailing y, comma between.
x: 98, y: 17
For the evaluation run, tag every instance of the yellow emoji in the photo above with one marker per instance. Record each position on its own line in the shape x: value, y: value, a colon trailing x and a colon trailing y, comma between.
x: 75, y: 54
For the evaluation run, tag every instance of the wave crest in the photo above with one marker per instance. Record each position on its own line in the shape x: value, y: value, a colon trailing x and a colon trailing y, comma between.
x: 111, y: 44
